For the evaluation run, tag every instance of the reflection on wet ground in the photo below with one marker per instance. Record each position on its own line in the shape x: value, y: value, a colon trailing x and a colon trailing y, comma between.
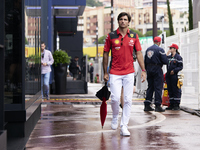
x: 71, y: 127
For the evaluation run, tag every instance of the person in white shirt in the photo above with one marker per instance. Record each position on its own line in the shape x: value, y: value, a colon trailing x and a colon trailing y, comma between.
x: 46, y: 62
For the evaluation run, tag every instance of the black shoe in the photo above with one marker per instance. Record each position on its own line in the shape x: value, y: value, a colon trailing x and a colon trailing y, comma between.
x: 171, y: 106
x: 159, y: 109
x: 176, y: 107
x: 47, y: 97
x: 148, y: 108
x: 121, y: 106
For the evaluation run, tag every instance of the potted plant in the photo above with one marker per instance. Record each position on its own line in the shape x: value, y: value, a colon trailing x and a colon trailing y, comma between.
x: 61, y: 60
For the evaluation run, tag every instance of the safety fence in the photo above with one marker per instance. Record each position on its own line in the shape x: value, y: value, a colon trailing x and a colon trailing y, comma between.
x: 189, y: 50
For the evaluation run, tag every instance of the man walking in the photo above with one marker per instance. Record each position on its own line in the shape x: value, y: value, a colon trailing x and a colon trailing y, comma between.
x: 122, y: 42
x: 46, y: 62
x: 155, y: 57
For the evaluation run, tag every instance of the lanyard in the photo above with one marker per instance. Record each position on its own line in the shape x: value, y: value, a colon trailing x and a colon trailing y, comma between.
x: 171, y: 60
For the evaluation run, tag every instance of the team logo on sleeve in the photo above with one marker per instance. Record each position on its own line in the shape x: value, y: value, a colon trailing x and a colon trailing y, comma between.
x: 150, y: 54
x: 116, y: 41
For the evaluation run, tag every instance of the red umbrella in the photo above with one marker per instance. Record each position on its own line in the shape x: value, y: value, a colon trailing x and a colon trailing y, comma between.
x: 103, y: 94
x: 103, y: 111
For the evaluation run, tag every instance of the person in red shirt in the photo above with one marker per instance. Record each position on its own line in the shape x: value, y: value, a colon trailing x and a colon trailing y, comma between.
x: 122, y: 42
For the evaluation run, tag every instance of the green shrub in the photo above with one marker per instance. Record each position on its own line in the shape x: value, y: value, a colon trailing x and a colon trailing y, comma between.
x: 61, y: 57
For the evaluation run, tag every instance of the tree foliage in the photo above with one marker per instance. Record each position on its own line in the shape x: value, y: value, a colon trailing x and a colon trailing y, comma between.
x: 150, y: 33
x: 101, y: 40
x: 171, y: 29
x: 190, y: 17
x: 138, y: 32
x: 93, y: 3
x: 26, y: 41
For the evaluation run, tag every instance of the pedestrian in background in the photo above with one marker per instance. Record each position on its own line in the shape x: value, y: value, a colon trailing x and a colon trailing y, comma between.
x: 155, y: 57
x: 91, y: 72
x: 122, y: 42
x: 74, y: 68
x: 46, y: 62
x: 175, y: 64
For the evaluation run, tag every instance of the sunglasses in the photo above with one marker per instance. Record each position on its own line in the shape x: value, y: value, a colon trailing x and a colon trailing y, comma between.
x: 122, y: 41
x: 42, y: 55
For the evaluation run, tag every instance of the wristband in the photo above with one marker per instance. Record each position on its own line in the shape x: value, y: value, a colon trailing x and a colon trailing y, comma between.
x: 143, y: 70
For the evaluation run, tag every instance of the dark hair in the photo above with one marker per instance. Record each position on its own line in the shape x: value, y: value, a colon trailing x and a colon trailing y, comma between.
x: 42, y: 43
x: 76, y: 57
x: 177, y: 52
x: 124, y: 14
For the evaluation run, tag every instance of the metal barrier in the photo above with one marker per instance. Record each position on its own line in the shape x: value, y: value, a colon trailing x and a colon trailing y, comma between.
x: 189, y: 50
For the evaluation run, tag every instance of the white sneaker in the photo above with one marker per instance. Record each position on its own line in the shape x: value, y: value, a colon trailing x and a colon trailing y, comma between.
x: 114, y: 123
x: 124, y: 131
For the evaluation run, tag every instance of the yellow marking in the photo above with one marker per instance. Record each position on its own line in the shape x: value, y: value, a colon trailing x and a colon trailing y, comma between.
x: 84, y: 99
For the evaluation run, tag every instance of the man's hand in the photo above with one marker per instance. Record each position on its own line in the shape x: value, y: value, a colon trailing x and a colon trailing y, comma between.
x: 106, y: 77
x: 169, y: 52
x: 44, y: 64
x: 172, y: 72
x: 143, y: 76
x: 141, y: 63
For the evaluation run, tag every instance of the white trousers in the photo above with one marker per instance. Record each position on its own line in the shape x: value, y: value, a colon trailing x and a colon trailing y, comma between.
x: 116, y: 83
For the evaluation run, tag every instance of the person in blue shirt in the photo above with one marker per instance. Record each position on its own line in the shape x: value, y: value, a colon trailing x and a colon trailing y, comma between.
x: 175, y: 64
x: 155, y: 57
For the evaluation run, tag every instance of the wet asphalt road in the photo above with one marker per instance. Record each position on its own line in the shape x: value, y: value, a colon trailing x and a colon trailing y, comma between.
x: 78, y: 127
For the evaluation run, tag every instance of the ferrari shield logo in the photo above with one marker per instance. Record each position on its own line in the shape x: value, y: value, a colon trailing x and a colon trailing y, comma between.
x: 150, y: 54
x: 131, y: 35
x: 116, y: 41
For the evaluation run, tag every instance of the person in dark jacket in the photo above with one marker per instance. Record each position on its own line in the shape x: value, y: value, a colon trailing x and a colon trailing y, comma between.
x: 74, y: 68
x: 175, y: 64
x: 155, y: 57
x: 91, y: 72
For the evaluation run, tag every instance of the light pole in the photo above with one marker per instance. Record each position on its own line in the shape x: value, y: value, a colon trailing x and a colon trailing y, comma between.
x: 111, y: 15
x: 97, y: 57
x: 154, y: 18
x: 160, y: 18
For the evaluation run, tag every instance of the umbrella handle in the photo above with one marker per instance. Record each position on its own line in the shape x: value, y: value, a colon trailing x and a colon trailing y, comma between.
x: 105, y: 83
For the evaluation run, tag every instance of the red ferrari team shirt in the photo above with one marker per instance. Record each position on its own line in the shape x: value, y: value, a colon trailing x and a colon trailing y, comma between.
x: 122, y: 51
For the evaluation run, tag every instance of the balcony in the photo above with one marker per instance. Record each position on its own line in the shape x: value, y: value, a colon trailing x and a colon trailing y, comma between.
x: 107, y: 26
x: 107, y: 18
x: 93, y: 27
x: 93, y: 33
x: 93, y: 20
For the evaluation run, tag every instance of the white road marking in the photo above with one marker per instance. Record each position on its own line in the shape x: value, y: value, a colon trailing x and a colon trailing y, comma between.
x: 159, y: 118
